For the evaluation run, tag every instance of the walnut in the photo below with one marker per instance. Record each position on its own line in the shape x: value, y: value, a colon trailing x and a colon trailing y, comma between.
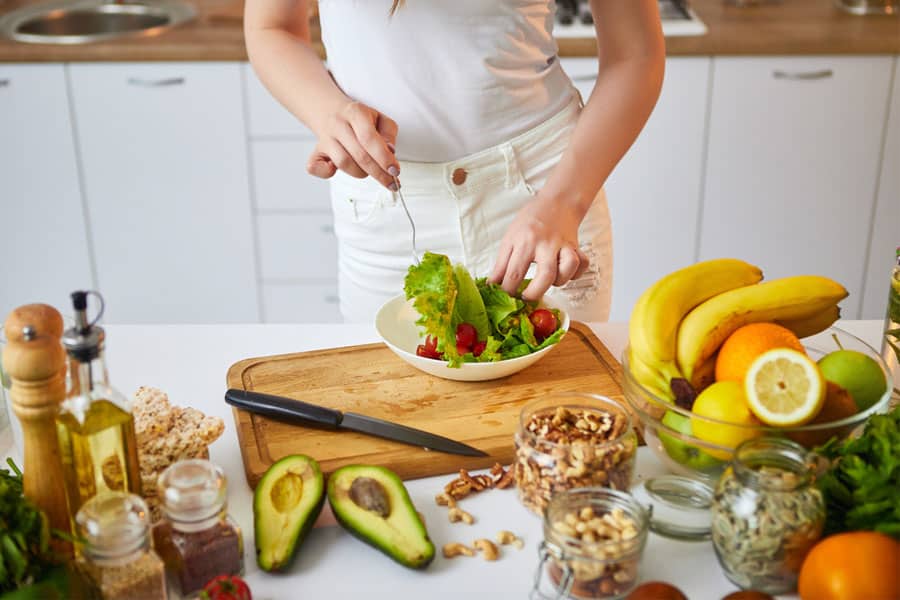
x: 560, y: 449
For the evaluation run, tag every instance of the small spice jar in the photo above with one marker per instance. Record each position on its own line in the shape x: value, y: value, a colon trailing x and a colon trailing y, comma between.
x: 572, y: 440
x: 767, y: 514
x: 116, y: 559
x: 594, y: 539
x: 196, y: 538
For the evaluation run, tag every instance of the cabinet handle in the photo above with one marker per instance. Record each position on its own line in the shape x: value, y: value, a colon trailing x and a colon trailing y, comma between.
x: 803, y: 75
x: 327, y: 229
x: 591, y: 77
x: 155, y: 83
x: 331, y: 299
x: 4, y: 83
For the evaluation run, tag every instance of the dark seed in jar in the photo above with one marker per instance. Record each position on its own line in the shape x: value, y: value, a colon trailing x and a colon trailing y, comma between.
x: 656, y: 590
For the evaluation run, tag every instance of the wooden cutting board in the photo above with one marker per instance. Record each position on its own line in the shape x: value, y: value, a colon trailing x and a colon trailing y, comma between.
x: 371, y: 380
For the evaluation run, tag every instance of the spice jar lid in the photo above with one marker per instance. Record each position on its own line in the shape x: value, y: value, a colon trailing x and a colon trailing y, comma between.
x: 192, y: 490
x: 679, y: 506
x: 113, y: 524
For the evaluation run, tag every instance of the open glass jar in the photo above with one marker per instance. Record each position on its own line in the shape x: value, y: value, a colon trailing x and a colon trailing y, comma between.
x: 572, y: 440
x: 594, y: 539
x: 767, y: 514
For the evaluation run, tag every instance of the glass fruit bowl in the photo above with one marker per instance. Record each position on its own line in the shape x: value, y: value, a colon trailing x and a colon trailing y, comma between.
x: 666, y: 428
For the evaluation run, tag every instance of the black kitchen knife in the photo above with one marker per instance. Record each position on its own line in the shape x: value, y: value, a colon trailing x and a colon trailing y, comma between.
x: 289, y: 409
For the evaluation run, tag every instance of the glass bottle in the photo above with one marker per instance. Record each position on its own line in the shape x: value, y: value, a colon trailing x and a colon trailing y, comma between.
x: 116, y: 560
x: 890, y: 345
x: 196, y: 539
x: 95, y: 426
x: 767, y: 514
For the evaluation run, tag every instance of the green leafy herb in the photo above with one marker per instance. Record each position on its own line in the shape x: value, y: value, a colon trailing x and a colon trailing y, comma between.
x: 25, y: 554
x: 862, y: 488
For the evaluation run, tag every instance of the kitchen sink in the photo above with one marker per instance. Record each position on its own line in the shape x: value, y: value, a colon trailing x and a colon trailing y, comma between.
x: 84, y: 21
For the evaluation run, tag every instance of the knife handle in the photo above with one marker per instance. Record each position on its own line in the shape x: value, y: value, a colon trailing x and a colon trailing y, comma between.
x: 283, y: 408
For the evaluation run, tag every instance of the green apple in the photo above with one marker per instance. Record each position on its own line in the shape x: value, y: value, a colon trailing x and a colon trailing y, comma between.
x: 682, y: 452
x: 857, y: 373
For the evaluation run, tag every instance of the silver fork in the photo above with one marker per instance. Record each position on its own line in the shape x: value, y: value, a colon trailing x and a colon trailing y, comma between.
x: 415, y: 253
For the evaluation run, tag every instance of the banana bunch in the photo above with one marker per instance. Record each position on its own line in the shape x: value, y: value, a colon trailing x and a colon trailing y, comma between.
x: 679, y: 322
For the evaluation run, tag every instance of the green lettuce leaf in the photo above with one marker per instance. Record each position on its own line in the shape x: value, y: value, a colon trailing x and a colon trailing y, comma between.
x: 469, y: 307
x: 432, y: 286
x: 498, y: 304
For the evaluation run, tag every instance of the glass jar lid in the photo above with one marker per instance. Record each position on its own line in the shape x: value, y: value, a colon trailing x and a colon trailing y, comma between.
x: 113, y: 525
x: 679, y: 506
x: 192, y: 490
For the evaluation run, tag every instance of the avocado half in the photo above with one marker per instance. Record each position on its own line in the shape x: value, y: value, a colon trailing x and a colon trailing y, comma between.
x: 286, y: 503
x: 372, y: 503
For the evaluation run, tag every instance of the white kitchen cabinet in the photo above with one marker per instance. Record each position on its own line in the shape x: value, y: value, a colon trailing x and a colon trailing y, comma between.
x: 280, y: 180
x: 654, y: 192
x: 164, y: 157
x: 792, y: 165
x: 266, y: 117
x: 43, y: 241
x: 301, y: 303
x: 885, y: 236
x: 297, y: 247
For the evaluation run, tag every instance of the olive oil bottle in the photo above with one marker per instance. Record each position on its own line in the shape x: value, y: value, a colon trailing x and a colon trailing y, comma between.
x: 95, y: 426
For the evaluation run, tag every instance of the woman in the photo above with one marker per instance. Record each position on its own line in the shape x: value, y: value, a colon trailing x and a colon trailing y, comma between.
x: 502, y: 168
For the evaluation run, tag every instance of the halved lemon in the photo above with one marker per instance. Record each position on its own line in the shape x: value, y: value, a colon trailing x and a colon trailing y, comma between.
x: 784, y: 388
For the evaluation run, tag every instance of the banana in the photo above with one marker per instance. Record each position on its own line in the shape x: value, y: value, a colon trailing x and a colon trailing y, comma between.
x: 654, y: 320
x: 812, y: 325
x: 706, y: 327
x: 704, y: 375
x: 649, y: 377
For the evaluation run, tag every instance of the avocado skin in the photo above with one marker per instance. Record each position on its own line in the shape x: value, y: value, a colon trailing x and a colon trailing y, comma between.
x: 260, y: 505
x: 387, y: 478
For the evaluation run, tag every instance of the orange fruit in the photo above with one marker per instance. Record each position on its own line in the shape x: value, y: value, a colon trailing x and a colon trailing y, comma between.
x: 838, y: 405
x: 860, y: 565
x: 746, y: 343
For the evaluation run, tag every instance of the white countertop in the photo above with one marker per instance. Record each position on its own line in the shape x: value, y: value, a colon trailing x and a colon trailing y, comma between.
x: 189, y: 362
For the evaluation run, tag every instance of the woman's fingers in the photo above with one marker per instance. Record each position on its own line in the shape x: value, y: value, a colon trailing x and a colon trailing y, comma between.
x: 519, y: 261
x: 502, y: 260
x: 569, y: 263
x: 547, y: 259
x: 368, y: 146
x: 583, y: 263
x: 320, y: 165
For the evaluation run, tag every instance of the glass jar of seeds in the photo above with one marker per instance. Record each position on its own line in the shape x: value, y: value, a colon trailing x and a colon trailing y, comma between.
x: 767, y: 514
x: 593, y: 542
x: 116, y: 559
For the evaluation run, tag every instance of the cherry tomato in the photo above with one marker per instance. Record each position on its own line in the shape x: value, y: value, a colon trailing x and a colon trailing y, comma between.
x: 478, y: 348
x: 544, y: 322
x: 429, y: 349
x: 226, y: 587
x: 466, y: 336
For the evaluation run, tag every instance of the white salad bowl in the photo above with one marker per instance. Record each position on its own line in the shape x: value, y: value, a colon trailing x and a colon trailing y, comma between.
x: 396, y: 324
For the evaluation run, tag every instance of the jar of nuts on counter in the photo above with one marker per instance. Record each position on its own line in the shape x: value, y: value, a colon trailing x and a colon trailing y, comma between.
x: 593, y: 542
x: 767, y: 514
x: 572, y: 440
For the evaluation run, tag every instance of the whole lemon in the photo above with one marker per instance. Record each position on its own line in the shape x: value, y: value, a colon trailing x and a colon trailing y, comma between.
x: 723, y: 401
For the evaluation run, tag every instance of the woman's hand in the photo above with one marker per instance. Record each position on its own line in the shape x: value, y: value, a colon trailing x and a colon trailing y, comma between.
x: 358, y: 140
x: 545, y: 231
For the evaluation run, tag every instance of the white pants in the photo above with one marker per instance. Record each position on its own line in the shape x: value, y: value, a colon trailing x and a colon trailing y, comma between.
x: 462, y: 209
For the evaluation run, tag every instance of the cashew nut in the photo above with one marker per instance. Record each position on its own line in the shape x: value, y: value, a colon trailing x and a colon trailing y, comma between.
x: 445, y: 500
x: 456, y: 549
x: 457, y: 514
x: 508, y: 537
x: 487, y: 548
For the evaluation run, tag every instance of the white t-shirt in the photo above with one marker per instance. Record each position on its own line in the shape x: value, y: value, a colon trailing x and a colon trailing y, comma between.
x: 457, y: 76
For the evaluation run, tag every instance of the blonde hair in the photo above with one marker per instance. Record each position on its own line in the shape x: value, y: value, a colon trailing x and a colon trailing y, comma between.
x: 397, y: 4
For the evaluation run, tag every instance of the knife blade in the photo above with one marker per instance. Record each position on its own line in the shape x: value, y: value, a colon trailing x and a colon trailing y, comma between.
x: 289, y: 409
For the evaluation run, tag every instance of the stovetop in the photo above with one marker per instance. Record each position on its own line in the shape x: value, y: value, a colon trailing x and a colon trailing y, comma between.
x: 573, y: 19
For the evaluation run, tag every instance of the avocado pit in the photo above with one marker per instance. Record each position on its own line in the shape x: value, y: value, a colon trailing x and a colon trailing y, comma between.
x: 369, y: 494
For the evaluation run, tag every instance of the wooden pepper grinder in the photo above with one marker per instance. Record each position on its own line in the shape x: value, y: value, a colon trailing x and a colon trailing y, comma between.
x: 35, y: 361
